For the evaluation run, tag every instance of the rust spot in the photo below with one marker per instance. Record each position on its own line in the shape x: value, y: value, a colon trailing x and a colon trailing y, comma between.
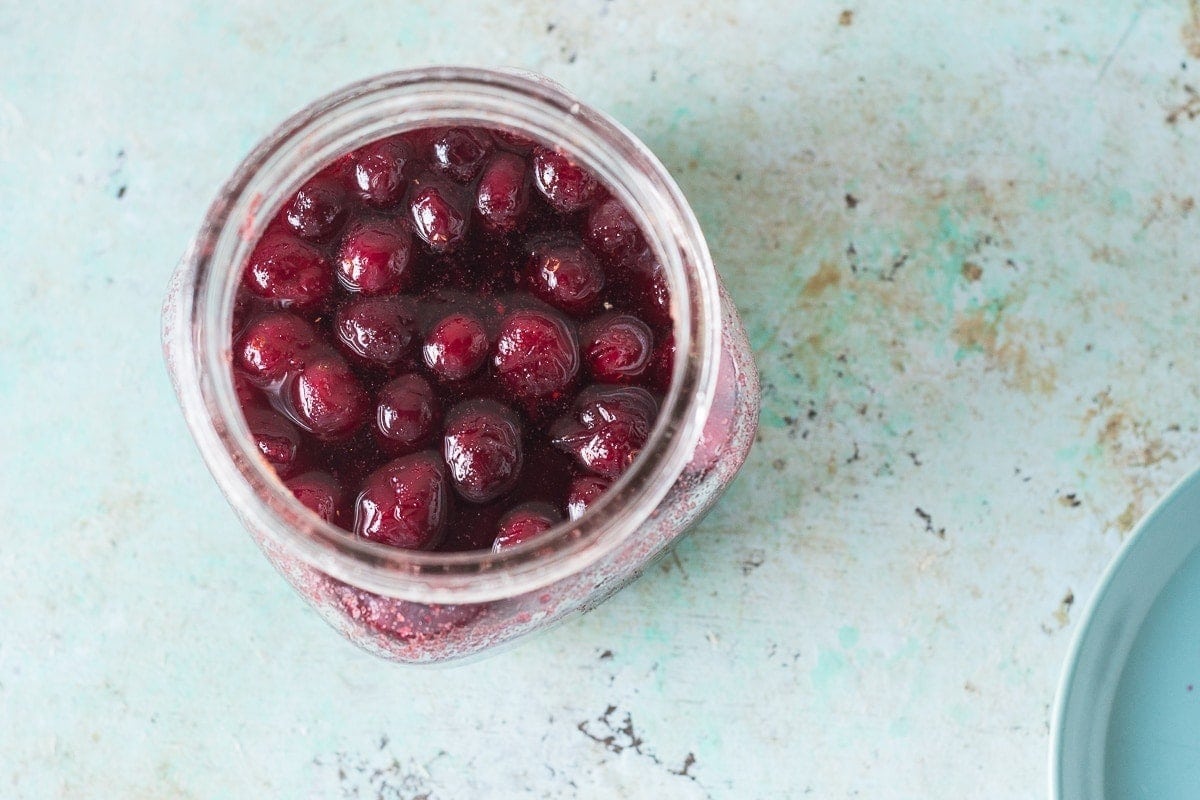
x: 1189, y: 108
x: 972, y: 271
x: 1127, y: 518
x: 826, y: 277
x: 1191, y: 29
x: 846, y: 18
x: 974, y: 331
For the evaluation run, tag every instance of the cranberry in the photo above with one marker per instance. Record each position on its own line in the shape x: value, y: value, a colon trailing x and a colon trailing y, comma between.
x: 616, y: 347
x: 566, y: 275
x: 406, y: 412
x: 611, y: 230
x: 523, y: 523
x: 288, y: 271
x: 247, y: 394
x: 379, y: 170
x: 374, y: 257
x: 459, y: 152
x: 536, y: 354
x: 566, y: 185
x: 319, y: 492
x: 439, y: 214
x: 584, y: 491
x: 276, y: 439
x: 651, y: 292
x: 662, y: 363
x: 405, y: 503
x: 483, y: 449
x: 318, y: 206
x: 607, y: 428
x: 456, y: 347
x: 328, y: 400
x: 503, y: 195
x: 378, y: 330
x: 273, y: 346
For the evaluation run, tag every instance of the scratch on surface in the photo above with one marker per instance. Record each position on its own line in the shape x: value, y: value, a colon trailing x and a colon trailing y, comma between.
x: 619, y: 736
x: 1133, y: 21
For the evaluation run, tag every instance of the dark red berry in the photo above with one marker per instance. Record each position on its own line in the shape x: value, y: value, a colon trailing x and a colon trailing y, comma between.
x: 566, y: 185
x: 610, y: 229
x: 406, y: 413
x: 320, y: 492
x: 288, y: 272
x: 247, y: 394
x: 483, y: 448
x: 536, y: 354
x: 439, y: 212
x: 585, y: 490
x: 405, y: 503
x: 374, y: 257
x: 503, y: 195
x: 514, y: 141
x: 460, y: 152
x: 273, y: 346
x: 662, y: 364
x: 607, y: 427
x: 523, y: 523
x: 649, y: 288
x: 276, y: 439
x: 379, y: 170
x: 456, y: 347
x: 378, y: 330
x: 327, y: 398
x: 318, y: 207
x: 616, y: 347
x: 566, y: 275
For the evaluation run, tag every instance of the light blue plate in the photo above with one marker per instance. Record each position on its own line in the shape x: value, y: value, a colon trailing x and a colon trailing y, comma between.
x: 1127, y: 722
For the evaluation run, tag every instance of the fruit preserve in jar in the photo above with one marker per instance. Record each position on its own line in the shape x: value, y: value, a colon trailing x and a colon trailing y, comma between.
x: 454, y: 349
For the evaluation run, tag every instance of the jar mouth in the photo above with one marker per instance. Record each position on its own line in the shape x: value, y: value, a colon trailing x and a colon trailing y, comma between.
x: 378, y: 107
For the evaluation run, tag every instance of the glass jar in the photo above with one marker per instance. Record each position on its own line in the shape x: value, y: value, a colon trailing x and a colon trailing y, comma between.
x: 424, y: 607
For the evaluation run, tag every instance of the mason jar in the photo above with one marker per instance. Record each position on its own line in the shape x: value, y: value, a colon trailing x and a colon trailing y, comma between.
x: 429, y: 607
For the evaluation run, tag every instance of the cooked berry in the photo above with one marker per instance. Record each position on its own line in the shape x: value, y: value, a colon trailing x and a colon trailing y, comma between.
x: 456, y: 347
x: 647, y: 282
x: 610, y: 230
x: 406, y: 412
x: 566, y: 185
x: 374, y: 257
x: 378, y: 330
x: 288, y: 272
x: 607, y: 427
x: 379, y: 170
x: 320, y: 492
x: 616, y: 347
x: 584, y: 491
x: 460, y: 152
x: 318, y: 207
x: 523, y: 523
x: 405, y: 503
x: 328, y: 400
x: 502, y: 199
x: 439, y: 213
x: 483, y: 449
x: 536, y: 354
x: 565, y: 274
x: 276, y: 439
x: 273, y: 346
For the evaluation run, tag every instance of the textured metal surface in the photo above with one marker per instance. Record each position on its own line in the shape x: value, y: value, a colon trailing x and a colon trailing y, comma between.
x: 964, y: 243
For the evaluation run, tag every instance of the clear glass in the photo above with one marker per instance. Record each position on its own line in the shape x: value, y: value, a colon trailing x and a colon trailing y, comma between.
x: 428, y: 607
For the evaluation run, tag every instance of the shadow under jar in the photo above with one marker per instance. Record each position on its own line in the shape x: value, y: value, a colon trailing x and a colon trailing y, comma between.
x: 417, y: 606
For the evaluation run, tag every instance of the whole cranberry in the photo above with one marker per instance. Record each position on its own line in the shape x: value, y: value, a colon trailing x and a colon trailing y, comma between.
x: 406, y: 412
x: 405, y: 503
x: 440, y: 213
x: 379, y: 170
x: 288, y: 272
x: 378, y: 330
x: 523, y: 523
x: 566, y: 275
x: 607, y: 428
x: 273, y: 346
x: 536, y: 354
x: 456, y: 346
x: 584, y: 491
x: 374, y: 257
x: 566, y: 186
x: 327, y: 398
x: 318, y: 207
x: 460, y: 152
x: 617, y: 347
x: 319, y: 492
x: 610, y: 229
x: 483, y: 449
x: 503, y: 195
x: 651, y: 292
x: 276, y: 439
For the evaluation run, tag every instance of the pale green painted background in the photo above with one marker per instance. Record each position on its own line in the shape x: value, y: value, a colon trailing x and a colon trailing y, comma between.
x: 967, y: 249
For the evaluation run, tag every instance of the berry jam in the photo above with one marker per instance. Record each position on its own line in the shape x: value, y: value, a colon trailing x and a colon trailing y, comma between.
x: 451, y: 339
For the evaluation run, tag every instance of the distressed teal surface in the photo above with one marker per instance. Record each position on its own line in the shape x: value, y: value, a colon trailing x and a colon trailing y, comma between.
x: 965, y: 244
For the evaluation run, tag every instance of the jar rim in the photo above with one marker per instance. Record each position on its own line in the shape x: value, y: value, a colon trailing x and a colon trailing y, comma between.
x: 391, y: 103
